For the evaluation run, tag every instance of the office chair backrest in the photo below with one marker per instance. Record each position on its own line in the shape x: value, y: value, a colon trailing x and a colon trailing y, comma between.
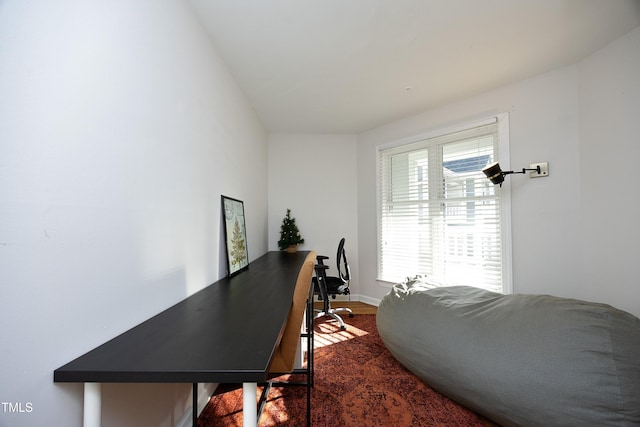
x: 343, y: 266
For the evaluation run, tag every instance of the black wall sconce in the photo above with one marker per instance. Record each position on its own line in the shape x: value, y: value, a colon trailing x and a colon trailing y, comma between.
x: 496, y: 174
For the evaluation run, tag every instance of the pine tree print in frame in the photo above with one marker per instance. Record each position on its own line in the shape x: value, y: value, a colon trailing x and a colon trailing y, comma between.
x: 235, y: 235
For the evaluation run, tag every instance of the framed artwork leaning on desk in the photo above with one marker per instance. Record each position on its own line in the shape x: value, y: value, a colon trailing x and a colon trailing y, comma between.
x: 235, y: 235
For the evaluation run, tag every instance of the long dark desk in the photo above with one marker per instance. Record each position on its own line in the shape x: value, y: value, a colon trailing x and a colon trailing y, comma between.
x: 227, y: 332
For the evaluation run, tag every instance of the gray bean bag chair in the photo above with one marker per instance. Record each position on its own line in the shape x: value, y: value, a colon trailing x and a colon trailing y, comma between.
x: 518, y: 359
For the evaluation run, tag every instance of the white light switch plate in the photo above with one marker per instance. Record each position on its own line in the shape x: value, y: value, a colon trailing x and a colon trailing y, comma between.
x: 544, y: 170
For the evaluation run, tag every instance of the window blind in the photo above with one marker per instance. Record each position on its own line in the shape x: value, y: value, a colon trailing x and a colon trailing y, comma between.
x: 439, y: 215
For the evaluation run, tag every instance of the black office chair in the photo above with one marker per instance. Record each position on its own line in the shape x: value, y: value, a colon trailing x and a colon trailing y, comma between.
x: 325, y: 286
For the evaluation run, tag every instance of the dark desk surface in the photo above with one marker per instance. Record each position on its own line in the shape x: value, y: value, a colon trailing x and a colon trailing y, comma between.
x: 226, y: 332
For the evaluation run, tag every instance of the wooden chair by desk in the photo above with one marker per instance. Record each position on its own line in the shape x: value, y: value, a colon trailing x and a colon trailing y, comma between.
x: 283, y: 361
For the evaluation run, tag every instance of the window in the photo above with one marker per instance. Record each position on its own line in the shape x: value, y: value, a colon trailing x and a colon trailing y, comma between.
x: 439, y: 215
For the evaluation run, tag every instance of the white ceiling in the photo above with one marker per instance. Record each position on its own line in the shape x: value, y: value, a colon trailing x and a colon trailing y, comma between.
x: 346, y: 66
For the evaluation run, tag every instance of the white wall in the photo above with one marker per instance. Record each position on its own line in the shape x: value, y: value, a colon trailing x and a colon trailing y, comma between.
x: 120, y: 127
x: 609, y: 155
x: 565, y: 241
x: 314, y: 175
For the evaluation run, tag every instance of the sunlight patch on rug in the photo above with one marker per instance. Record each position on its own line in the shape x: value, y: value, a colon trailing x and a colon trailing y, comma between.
x: 331, y: 334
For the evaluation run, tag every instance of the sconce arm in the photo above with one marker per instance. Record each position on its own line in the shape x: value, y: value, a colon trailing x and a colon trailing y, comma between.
x: 537, y: 169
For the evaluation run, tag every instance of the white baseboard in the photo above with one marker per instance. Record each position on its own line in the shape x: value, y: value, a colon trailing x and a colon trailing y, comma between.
x: 368, y: 300
x: 204, y: 393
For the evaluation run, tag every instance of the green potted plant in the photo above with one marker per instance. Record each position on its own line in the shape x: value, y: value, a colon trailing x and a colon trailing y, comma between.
x: 290, y: 236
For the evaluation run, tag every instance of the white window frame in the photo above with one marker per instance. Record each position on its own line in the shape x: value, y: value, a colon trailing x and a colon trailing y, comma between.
x: 502, y: 155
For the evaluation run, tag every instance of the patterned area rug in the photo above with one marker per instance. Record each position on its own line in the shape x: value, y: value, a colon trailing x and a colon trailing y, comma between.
x: 357, y: 383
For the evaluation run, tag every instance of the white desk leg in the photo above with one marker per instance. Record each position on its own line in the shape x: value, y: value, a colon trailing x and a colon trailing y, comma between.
x: 249, y: 405
x: 92, y: 404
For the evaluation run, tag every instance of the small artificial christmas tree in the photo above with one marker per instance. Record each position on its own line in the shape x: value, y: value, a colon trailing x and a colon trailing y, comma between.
x: 289, y: 233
